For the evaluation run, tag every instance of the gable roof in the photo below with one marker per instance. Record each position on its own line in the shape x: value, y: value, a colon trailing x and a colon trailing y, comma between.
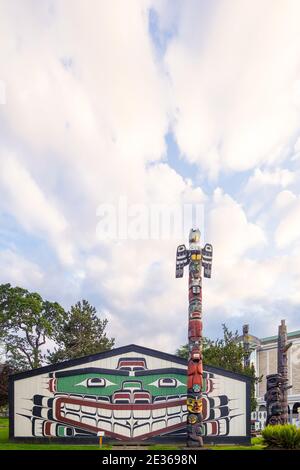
x: 120, y: 351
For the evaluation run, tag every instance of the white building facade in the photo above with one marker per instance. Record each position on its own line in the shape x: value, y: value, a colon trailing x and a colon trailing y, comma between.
x: 265, y: 360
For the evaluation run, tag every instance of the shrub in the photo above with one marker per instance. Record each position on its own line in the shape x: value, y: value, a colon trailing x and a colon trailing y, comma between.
x: 257, y: 441
x: 284, y: 436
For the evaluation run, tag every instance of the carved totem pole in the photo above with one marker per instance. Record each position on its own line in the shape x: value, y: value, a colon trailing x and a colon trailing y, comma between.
x: 250, y: 343
x: 282, y: 366
x: 277, y: 384
x: 273, y: 399
x: 195, y: 257
x: 246, y: 345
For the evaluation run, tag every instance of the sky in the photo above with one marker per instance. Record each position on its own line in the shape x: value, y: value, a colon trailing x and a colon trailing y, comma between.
x: 150, y: 102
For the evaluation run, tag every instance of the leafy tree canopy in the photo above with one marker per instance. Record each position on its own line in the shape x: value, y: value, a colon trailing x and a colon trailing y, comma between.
x: 26, y: 322
x: 82, y: 333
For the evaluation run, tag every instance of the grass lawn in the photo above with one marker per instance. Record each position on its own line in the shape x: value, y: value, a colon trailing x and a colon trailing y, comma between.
x: 6, y: 445
x: 256, y: 444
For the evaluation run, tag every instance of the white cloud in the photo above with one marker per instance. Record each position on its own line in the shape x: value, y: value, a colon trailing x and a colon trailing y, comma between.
x: 151, y: 297
x: 252, y: 281
x: 288, y: 229
x: 87, y: 108
x: 99, y: 114
x: 277, y: 177
x: 230, y: 231
x: 23, y: 198
x: 17, y: 270
x: 88, y: 105
x: 86, y: 130
x: 296, y: 149
x: 240, y: 107
x: 260, y: 192
x: 284, y: 199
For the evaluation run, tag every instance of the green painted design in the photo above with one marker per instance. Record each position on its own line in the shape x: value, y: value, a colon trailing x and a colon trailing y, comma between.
x: 61, y: 431
x: 154, y: 383
x: 132, y: 385
x: 75, y: 384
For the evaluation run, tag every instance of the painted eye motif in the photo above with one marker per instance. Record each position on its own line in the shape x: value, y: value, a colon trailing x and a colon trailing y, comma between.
x: 167, y: 382
x: 95, y: 382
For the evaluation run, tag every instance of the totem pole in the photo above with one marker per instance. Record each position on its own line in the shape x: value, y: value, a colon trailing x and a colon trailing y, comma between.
x: 282, y: 368
x: 246, y: 346
x: 250, y: 343
x: 273, y: 399
x: 277, y: 384
x: 195, y: 257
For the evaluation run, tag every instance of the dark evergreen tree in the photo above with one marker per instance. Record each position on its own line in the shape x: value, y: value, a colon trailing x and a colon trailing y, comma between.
x: 81, y: 334
x: 5, y: 370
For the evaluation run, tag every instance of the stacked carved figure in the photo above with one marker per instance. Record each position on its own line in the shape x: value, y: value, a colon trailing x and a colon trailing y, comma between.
x: 196, y: 258
x: 277, y: 384
x: 273, y: 399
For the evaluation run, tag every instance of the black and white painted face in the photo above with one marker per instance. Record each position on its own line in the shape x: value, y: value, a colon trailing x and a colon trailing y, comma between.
x: 127, y: 403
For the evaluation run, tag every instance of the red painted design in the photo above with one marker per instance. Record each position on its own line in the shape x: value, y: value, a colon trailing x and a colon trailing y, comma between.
x: 195, y: 374
x: 52, y: 385
x: 47, y: 429
x: 60, y: 402
x: 195, y: 329
x: 214, y: 427
x: 129, y: 363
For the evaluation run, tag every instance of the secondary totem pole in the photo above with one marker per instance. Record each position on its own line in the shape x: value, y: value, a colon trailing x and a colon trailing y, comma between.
x: 282, y: 361
x: 277, y: 384
x: 273, y: 399
x: 195, y: 257
x: 246, y: 346
x: 250, y: 343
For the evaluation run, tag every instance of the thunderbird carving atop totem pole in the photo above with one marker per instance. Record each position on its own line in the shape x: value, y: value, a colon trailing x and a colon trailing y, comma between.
x: 196, y: 257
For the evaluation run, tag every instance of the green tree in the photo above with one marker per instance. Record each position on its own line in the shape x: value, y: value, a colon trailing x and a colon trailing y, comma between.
x: 26, y: 323
x: 227, y: 353
x: 5, y: 370
x: 81, y: 334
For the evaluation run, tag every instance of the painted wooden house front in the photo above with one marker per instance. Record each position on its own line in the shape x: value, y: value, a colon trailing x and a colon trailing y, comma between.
x: 131, y: 393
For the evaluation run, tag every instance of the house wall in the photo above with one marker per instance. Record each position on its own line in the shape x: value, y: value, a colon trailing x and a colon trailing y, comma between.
x: 266, y: 363
x: 129, y: 396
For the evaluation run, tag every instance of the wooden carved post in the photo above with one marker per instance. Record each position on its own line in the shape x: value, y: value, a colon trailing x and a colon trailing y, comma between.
x: 282, y: 367
x: 277, y: 384
x: 246, y: 346
x: 195, y: 257
x: 273, y: 399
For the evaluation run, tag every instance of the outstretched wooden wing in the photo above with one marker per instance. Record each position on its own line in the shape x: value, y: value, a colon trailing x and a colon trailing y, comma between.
x: 207, y: 254
x: 182, y: 259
